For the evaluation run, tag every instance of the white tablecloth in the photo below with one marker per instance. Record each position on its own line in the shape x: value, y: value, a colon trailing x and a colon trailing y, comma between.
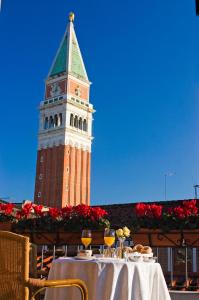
x: 109, y: 280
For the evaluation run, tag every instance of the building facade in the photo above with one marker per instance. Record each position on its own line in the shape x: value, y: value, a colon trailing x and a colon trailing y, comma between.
x: 65, y: 129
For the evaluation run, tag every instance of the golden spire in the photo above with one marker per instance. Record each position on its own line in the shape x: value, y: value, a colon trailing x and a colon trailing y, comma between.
x: 71, y: 17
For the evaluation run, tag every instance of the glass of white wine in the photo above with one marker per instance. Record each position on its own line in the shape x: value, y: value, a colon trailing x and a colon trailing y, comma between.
x: 109, y: 238
x: 86, y: 237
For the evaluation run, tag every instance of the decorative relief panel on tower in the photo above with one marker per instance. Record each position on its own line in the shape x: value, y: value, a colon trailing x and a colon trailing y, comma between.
x: 78, y: 90
x: 55, y: 89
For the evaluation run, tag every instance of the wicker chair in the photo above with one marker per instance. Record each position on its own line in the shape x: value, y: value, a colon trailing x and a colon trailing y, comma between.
x: 33, y: 261
x: 14, y: 271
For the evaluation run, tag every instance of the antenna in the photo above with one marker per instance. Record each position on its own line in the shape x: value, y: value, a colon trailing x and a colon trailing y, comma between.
x: 165, y: 183
x: 197, y: 7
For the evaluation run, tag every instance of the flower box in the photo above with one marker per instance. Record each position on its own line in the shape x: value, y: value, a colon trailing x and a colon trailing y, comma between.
x: 6, y: 226
x: 173, y: 238
x: 74, y: 238
x: 145, y: 236
x: 62, y: 238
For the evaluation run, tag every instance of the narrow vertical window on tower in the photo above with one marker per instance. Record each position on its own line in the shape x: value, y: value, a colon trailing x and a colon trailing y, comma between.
x: 76, y: 122
x: 71, y: 120
x: 60, y: 119
x: 46, y: 123
x: 63, y: 171
x: 56, y: 120
x: 51, y: 123
x: 85, y: 125
x: 80, y: 123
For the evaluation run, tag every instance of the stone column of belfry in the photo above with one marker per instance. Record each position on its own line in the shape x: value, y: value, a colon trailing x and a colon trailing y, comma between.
x: 65, y: 133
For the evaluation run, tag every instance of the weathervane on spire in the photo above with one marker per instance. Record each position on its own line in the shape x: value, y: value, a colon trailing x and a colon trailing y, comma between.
x: 71, y: 17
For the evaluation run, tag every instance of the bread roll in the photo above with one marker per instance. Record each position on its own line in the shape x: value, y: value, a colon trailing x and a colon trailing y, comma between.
x: 138, y: 248
x: 146, y: 250
x: 128, y: 249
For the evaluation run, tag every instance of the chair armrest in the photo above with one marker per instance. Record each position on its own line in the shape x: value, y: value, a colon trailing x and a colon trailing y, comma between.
x: 34, y: 282
x: 42, y: 284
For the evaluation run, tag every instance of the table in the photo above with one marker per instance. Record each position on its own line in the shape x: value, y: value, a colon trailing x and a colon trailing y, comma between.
x: 109, y: 280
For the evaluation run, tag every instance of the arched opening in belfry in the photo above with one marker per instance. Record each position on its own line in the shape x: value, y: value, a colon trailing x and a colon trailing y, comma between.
x: 76, y: 122
x: 46, y: 123
x: 71, y: 120
x: 60, y: 119
x: 56, y: 120
x: 85, y: 125
x: 80, y: 123
x: 51, y: 123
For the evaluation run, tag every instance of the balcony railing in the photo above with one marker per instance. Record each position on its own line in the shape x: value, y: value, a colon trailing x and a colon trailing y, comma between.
x: 176, y: 251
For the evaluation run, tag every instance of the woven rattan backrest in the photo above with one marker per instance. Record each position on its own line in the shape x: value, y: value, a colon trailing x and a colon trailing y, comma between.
x: 33, y: 261
x: 14, y: 266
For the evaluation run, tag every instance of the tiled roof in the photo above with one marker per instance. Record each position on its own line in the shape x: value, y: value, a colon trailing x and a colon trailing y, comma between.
x: 3, y: 201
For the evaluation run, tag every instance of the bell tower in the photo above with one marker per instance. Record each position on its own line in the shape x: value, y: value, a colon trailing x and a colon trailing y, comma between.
x: 65, y: 129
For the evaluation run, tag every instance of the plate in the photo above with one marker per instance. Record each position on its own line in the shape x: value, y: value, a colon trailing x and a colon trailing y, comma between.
x: 150, y: 260
x: 111, y: 258
x: 84, y: 258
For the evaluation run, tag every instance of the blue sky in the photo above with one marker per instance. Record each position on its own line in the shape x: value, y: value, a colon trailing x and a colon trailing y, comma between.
x: 143, y: 60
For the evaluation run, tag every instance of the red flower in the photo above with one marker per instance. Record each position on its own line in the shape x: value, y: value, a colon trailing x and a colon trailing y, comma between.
x: 187, y: 209
x: 38, y: 210
x: 179, y: 212
x: 19, y: 215
x: 26, y: 209
x: 148, y: 210
x: 66, y: 211
x: 98, y: 213
x: 195, y: 211
x: 190, y: 207
x: 54, y: 212
x: 169, y: 211
x: 86, y: 211
x: 156, y: 211
x: 140, y: 209
x: 83, y: 210
x: 190, y: 203
x: 7, y: 208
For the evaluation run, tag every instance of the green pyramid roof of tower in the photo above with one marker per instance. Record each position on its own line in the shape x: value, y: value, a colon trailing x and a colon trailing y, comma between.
x: 77, y: 68
x: 60, y: 63
x: 68, y: 58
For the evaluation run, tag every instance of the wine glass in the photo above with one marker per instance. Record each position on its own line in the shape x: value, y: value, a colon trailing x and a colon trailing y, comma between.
x: 109, y: 238
x: 86, y: 237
